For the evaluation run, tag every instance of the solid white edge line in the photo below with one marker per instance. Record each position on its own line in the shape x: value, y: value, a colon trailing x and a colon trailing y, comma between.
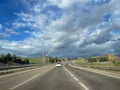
x: 72, y: 75
x: 76, y: 79
x: 83, y: 86
x: 95, y: 72
x: 24, y: 82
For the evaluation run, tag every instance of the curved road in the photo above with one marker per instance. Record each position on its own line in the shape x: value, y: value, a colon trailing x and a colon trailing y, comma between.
x: 53, y: 78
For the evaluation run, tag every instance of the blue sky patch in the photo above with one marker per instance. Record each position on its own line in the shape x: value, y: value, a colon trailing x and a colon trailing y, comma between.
x: 97, y: 2
x: 8, y: 8
x: 107, y: 17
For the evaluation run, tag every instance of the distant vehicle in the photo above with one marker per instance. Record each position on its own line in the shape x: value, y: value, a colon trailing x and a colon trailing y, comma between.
x: 58, y: 65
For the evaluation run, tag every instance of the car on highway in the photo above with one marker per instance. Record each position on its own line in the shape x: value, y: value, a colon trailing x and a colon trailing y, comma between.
x: 58, y: 65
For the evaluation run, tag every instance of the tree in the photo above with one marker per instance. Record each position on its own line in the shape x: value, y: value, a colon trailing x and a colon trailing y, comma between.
x: 92, y: 60
x: 26, y: 61
x: 56, y: 59
x: 10, y: 59
x: 14, y: 58
x: 69, y: 59
x: 103, y: 59
x: 51, y: 60
x: 19, y: 61
x: 0, y: 60
x: 7, y: 58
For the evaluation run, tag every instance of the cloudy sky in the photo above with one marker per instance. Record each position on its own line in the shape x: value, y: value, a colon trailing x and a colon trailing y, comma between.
x: 62, y: 28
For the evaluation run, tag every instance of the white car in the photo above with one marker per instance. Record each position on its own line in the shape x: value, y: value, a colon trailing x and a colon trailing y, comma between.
x: 58, y: 65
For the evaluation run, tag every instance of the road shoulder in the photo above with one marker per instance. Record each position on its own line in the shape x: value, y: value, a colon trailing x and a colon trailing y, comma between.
x: 110, y: 74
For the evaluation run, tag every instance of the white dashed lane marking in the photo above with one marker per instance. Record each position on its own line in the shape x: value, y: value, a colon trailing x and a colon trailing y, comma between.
x: 76, y: 79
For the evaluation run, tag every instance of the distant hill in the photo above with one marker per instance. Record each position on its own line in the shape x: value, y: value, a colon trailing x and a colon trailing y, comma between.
x: 111, y: 57
x: 108, y: 56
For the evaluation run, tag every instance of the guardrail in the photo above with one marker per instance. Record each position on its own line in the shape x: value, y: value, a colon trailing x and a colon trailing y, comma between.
x: 10, y: 69
x: 4, y: 67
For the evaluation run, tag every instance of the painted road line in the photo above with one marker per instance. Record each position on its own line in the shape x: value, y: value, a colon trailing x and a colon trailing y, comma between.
x: 96, y: 71
x: 20, y: 84
x: 24, y: 82
x: 81, y: 84
x: 76, y: 79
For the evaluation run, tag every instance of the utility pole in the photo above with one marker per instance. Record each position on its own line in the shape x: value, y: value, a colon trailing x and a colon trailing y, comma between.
x: 43, y: 54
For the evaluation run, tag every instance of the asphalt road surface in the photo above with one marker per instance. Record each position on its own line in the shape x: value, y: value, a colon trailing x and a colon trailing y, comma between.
x: 54, y: 78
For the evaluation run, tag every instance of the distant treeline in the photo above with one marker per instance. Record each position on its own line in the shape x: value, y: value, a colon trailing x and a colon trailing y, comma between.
x: 12, y: 59
x: 56, y: 59
x: 100, y: 59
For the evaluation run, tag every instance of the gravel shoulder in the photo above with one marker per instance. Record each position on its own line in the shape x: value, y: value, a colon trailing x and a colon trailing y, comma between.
x: 114, y: 74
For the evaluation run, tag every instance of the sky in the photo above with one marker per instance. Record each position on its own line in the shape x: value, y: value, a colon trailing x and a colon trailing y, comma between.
x: 60, y: 28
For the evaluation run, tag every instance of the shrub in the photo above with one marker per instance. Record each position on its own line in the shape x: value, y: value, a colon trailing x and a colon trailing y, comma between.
x: 92, y: 60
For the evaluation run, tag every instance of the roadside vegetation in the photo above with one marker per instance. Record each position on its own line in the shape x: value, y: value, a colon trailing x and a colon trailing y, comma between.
x: 107, y: 62
x: 45, y: 59
x: 11, y: 63
x: 13, y: 59
x: 10, y: 59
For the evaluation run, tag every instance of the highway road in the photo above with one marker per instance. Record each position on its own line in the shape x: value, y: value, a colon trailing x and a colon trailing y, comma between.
x: 53, y: 78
